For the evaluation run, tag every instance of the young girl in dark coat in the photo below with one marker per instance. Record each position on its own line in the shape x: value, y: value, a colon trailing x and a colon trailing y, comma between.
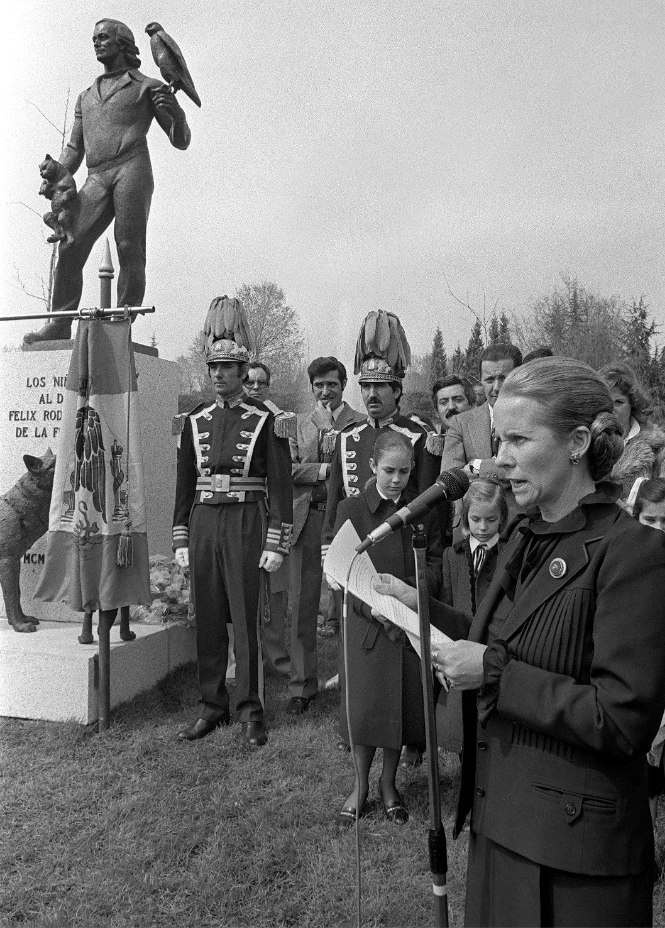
x: 385, y: 692
x: 466, y: 574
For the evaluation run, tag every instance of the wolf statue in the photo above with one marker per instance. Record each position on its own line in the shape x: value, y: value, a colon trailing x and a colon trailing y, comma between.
x: 24, y: 513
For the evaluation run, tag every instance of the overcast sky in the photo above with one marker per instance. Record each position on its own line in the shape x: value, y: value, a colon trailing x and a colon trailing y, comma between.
x: 359, y: 153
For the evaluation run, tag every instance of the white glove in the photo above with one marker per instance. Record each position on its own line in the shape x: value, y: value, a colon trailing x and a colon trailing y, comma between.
x: 181, y: 557
x: 271, y: 561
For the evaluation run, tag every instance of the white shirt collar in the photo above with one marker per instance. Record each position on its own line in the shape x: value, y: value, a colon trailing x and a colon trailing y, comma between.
x: 383, y: 496
x: 336, y: 413
x: 473, y: 542
x: 634, y: 429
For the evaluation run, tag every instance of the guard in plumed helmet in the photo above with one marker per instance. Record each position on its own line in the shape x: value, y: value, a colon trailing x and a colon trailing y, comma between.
x: 232, y: 521
x: 382, y: 357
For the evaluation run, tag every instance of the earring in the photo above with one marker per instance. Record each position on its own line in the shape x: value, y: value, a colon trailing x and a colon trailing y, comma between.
x: 575, y: 457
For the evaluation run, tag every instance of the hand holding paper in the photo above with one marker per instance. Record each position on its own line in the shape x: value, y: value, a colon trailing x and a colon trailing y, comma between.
x: 359, y: 574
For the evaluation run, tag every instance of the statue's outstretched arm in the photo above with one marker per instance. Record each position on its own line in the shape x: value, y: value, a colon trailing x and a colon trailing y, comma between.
x: 171, y: 117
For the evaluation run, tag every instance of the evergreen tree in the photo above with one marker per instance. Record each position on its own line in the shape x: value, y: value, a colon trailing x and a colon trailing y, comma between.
x: 493, y: 332
x: 474, y: 351
x: 504, y: 329
x: 438, y: 362
x: 458, y: 362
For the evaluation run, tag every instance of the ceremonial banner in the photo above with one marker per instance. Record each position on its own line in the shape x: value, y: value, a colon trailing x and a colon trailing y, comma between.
x: 97, y: 546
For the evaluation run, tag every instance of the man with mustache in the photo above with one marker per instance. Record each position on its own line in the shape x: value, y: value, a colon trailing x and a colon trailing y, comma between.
x: 233, y: 518
x: 451, y: 396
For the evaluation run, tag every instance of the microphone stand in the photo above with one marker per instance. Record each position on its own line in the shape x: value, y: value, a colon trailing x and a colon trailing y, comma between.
x: 438, y: 854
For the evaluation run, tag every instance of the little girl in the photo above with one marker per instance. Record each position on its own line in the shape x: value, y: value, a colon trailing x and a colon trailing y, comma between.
x: 385, y: 692
x: 649, y: 509
x: 466, y: 571
x: 468, y: 566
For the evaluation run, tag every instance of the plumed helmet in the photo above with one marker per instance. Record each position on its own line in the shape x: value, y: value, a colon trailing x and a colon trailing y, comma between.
x: 227, y: 331
x: 382, y: 349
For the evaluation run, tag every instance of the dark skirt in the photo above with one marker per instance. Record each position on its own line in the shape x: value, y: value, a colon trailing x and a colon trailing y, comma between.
x: 503, y: 888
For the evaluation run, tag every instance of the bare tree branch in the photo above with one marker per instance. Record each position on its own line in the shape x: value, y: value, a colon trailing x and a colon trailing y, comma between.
x: 43, y: 114
x: 21, y: 203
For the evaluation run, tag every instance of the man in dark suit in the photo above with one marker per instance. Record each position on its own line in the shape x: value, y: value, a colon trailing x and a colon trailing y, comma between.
x: 470, y: 441
x: 311, y: 453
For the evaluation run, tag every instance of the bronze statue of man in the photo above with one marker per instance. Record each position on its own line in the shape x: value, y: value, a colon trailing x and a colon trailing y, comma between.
x: 111, y: 123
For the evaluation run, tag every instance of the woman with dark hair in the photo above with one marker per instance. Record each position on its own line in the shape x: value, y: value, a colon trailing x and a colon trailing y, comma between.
x: 644, y: 442
x: 562, y: 672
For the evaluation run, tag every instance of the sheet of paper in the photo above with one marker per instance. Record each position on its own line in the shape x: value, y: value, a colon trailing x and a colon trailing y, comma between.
x: 360, y: 583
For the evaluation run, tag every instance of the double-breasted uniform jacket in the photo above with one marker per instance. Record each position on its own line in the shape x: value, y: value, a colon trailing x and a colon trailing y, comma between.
x: 230, y: 454
x: 385, y: 689
x: 350, y: 470
x: 558, y: 774
x: 307, y: 459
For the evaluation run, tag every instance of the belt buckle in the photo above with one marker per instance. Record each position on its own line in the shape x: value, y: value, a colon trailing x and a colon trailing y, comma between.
x: 220, y: 483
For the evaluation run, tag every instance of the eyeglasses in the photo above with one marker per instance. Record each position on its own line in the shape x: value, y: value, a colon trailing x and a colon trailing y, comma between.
x: 257, y: 383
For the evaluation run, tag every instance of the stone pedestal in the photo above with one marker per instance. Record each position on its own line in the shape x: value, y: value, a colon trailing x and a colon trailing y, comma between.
x: 49, y: 675
x: 31, y: 398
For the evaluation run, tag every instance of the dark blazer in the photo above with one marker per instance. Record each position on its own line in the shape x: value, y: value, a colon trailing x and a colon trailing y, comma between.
x: 558, y: 774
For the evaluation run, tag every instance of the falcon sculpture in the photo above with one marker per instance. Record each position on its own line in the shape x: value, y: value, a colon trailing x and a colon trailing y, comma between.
x: 169, y: 59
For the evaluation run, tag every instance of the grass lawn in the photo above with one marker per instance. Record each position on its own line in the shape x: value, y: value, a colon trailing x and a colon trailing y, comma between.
x: 131, y: 828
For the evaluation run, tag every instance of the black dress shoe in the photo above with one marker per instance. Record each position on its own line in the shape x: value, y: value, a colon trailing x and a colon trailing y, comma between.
x: 298, y: 704
x: 254, y: 733
x: 346, y: 817
x: 396, y: 811
x: 201, y: 728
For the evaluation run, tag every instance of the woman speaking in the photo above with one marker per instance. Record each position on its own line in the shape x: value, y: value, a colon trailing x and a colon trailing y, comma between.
x: 563, y: 672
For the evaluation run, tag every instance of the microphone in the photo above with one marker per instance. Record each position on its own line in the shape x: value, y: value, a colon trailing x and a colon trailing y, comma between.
x: 450, y: 485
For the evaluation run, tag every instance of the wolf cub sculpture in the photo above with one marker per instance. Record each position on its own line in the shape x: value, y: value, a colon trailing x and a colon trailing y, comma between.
x: 59, y: 187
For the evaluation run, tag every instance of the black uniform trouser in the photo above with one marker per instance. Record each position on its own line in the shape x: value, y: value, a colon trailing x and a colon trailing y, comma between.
x: 225, y: 545
x: 305, y: 574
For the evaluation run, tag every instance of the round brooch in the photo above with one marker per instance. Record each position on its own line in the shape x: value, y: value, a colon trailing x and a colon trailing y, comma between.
x: 558, y: 568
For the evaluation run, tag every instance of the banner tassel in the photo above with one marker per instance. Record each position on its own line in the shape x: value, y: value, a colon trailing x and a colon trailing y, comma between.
x: 125, y: 556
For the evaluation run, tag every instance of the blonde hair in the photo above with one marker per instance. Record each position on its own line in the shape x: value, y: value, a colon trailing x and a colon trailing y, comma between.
x: 485, y: 491
x: 572, y: 394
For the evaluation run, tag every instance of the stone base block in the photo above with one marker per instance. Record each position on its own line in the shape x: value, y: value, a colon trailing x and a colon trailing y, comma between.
x: 48, y: 675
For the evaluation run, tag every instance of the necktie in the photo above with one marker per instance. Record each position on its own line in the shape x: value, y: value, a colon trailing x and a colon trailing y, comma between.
x: 495, y: 443
x: 479, y: 558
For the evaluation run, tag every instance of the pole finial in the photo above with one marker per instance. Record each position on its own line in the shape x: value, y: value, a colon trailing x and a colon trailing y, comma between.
x: 106, y: 267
